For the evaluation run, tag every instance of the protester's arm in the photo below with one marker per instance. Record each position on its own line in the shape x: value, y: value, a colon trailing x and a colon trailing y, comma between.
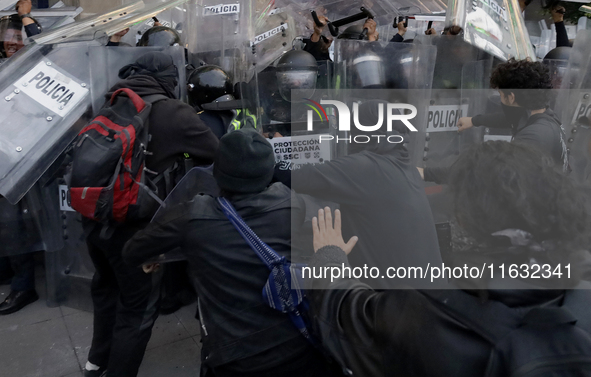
x: 561, y: 34
x: 23, y: 8
x: 344, y: 310
x: 158, y: 237
x: 437, y: 175
x: 495, y: 120
x: 197, y: 138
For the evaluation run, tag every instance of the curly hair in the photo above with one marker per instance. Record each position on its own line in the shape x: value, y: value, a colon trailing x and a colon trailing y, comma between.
x: 523, y: 74
x: 498, y: 185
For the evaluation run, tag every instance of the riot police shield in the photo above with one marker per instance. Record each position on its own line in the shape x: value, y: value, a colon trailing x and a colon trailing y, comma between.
x: 391, y: 72
x: 496, y: 27
x: 46, y: 102
x: 105, y: 63
x: 287, y: 89
x: 575, y: 102
x: 460, y: 77
x: 222, y: 35
x: 274, y: 36
x: 46, y: 95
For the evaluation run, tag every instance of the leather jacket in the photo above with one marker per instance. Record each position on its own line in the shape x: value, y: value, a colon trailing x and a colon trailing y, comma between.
x: 228, y: 275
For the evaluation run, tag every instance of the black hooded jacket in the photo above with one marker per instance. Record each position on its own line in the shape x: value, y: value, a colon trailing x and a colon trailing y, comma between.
x: 385, y: 204
x: 542, y: 131
x: 404, y: 332
x: 175, y: 127
x: 240, y: 331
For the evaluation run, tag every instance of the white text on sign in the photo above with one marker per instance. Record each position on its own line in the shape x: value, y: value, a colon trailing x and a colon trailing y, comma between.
x: 300, y: 149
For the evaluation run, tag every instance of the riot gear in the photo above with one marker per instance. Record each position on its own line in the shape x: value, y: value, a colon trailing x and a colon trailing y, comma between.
x: 369, y: 69
x: 160, y: 36
x: 297, y: 69
x: 207, y: 84
x: 559, y: 53
x: 353, y: 32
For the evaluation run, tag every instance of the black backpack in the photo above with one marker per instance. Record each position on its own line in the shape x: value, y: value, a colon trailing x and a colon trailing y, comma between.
x: 551, y: 341
x: 109, y: 181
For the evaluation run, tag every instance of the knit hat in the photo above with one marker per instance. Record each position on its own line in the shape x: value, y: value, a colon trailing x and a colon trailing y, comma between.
x: 244, y: 162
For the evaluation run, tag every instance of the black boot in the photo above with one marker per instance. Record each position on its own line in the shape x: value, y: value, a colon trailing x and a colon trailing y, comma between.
x: 17, y: 300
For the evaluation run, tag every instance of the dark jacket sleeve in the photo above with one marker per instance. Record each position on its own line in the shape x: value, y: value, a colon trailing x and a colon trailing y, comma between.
x: 32, y: 29
x: 315, y: 48
x: 331, y: 180
x: 561, y: 35
x: 437, y: 175
x: 158, y: 237
x: 397, y: 38
x: 112, y: 44
x: 496, y: 120
x: 344, y: 313
x: 194, y: 136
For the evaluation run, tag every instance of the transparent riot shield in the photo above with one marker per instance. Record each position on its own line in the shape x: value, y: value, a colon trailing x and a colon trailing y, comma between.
x: 493, y: 26
x: 223, y: 35
x: 220, y: 34
x: 46, y: 103
x: 402, y: 72
x: 575, y: 102
x: 105, y: 63
x: 273, y: 37
x: 46, y: 94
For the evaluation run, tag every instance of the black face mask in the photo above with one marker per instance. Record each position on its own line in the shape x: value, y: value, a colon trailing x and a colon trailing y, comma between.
x: 514, y: 114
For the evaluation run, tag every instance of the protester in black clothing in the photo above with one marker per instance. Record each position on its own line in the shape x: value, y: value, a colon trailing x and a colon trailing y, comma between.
x: 524, y: 87
x: 125, y: 298
x: 384, y: 199
x: 505, y: 197
x: 242, y: 336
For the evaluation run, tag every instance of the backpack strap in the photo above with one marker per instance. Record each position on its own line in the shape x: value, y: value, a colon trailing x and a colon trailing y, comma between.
x: 264, y: 252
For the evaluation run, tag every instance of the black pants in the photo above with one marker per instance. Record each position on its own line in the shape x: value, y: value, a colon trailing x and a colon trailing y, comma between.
x: 126, y: 304
x: 22, y: 267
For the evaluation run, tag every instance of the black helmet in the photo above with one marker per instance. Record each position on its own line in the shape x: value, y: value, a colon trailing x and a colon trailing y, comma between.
x: 297, y: 69
x: 160, y: 36
x: 352, y: 32
x: 559, y: 53
x: 207, y: 84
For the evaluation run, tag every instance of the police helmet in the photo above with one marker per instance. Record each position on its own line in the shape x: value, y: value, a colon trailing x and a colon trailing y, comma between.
x: 160, y: 36
x: 559, y: 53
x: 353, y: 32
x: 296, y: 69
x: 207, y: 84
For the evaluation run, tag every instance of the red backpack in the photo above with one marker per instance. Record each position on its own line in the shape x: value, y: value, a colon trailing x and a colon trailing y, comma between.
x: 109, y: 182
